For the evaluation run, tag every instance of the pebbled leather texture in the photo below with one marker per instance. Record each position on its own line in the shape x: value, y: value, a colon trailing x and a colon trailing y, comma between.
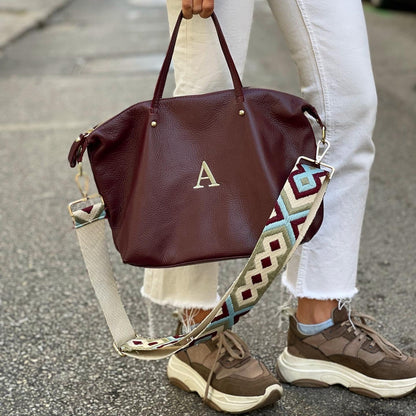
x: 146, y: 175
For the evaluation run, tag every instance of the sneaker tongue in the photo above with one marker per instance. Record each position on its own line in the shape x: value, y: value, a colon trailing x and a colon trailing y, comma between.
x: 339, y: 315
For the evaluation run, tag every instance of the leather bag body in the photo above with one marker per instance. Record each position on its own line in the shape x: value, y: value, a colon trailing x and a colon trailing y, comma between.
x: 193, y: 179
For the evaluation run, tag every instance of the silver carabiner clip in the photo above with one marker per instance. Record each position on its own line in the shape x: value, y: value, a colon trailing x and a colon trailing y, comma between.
x: 321, y: 149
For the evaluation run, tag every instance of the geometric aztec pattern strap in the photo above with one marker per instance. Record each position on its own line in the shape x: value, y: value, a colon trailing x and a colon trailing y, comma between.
x: 292, y: 214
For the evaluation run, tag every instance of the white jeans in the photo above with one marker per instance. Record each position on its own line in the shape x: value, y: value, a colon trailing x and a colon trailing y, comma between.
x: 328, y: 42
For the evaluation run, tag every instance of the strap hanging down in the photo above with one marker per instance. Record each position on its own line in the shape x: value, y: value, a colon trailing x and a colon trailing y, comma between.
x: 90, y: 227
x: 289, y: 221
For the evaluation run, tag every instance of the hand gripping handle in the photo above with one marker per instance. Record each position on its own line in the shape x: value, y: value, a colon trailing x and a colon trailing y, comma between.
x: 160, y: 85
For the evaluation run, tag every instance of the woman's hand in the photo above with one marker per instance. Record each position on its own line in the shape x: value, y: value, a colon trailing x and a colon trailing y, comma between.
x: 202, y: 7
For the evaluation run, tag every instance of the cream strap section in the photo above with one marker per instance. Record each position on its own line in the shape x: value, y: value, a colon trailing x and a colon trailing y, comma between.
x: 90, y: 229
x: 288, y: 223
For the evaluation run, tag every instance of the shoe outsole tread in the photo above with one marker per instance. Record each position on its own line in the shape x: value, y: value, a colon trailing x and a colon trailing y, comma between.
x: 186, y: 378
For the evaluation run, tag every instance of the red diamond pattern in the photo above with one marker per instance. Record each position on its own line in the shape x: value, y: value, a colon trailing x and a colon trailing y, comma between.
x: 256, y: 279
x: 246, y: 294
x: 266, y: 262
x: 275, y: 245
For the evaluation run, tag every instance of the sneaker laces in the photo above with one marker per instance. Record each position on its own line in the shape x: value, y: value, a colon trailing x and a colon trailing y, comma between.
x: 360, y: 327
x: 227, y: 344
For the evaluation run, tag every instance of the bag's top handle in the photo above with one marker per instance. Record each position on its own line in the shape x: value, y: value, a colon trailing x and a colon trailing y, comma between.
x: 160, y: 85
x: 79, y: 146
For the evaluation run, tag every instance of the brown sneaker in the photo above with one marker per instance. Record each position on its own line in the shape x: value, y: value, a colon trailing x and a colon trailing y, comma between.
x: 352, y: 355
x: 224, y: 374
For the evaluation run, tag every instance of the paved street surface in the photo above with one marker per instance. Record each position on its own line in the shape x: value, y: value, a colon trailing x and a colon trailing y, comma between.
x: 19, y: 16
x: 88, y: 61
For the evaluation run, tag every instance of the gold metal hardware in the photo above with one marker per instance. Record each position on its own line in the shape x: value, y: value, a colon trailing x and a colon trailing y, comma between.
x: 75, y: 205
x: 241, y: 113
x: 78, y: 139
x: 119, y: 352
x: 153, y: 123
x: 323, y: 140
x: 88, y: 132
x: 83, y: 182
x: 82, y: 177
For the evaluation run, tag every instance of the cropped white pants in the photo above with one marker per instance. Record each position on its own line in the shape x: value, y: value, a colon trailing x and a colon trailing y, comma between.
x: 328, y: 42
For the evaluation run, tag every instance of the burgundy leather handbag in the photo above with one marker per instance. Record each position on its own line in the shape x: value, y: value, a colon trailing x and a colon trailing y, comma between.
x: 193, y: 179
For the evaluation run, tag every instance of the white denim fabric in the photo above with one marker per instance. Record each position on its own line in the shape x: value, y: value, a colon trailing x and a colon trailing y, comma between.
x: 328, y: 42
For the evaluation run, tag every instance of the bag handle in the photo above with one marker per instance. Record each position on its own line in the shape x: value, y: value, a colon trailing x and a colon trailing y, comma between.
x: 160, y: 85
x: 80, y: 144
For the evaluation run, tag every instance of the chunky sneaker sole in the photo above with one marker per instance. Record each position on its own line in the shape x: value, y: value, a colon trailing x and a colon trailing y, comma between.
x: 183, y: 376
x: 307, y: 372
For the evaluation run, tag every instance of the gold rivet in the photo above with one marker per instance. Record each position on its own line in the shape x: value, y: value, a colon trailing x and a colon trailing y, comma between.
x: 241, y: 112
x: 78, y: 140
x: 153, y: 123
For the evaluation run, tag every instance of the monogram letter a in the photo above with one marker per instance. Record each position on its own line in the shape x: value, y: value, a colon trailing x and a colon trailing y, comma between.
x: 205, y: 168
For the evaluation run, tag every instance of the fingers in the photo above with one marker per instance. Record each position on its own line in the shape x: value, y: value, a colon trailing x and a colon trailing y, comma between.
x: 207, y: 8
x: 187, y: 9
x: 197, y: 6
x: 202, y: 7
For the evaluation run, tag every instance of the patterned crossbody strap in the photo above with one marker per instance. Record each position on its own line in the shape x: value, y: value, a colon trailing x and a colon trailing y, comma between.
x: 288, y: 223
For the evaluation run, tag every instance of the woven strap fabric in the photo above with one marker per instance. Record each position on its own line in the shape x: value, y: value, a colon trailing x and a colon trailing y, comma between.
x: 90, y: 227
x: 289, y: 221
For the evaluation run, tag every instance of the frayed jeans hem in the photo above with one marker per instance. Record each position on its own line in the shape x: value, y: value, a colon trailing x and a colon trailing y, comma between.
x: 340, y: 296
x: 180, y: 303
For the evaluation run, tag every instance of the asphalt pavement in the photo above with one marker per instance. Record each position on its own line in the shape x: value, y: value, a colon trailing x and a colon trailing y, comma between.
x: 88, y: 60
x: 17, y: 17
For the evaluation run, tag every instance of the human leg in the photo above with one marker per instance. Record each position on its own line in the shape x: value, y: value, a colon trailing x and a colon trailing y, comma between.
x: 221, y: 370
x: 314, y: 311
x: 200, y: 67
x: 328, y: 42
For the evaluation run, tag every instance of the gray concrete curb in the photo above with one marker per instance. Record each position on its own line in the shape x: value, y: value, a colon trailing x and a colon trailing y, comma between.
x: 19, y: 16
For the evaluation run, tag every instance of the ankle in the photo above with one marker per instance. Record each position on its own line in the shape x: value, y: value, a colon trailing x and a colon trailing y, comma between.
x: 195, y: 315
x: 314, y: 311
